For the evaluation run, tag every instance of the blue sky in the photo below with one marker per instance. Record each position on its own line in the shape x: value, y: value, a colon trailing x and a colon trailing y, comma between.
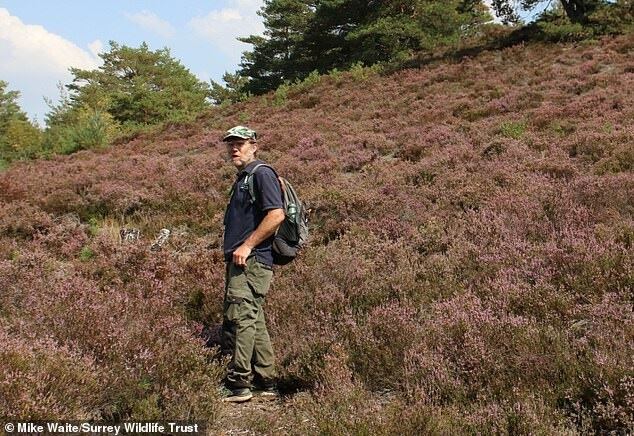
x: 40, y: 40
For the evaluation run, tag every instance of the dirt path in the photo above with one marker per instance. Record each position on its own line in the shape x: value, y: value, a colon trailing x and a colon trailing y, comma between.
x: 259, y: 416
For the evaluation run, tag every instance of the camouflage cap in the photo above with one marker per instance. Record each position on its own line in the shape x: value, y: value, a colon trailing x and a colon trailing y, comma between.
x: 240, y: 132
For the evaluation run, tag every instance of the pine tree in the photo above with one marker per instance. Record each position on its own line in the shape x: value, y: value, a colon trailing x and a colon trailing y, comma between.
x: 139, y: 86
x: 9, y: 108
x: 19, y: 137
x: 277, y: 56
x: 400, y: 29
x: 578, y: 11
x: 232, y: 91
x: 306, y: 35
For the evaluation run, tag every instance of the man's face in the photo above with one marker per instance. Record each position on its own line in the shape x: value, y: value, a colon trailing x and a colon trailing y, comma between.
x: 241, y: 152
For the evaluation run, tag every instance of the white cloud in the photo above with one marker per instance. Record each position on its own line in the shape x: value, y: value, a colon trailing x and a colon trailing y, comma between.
x: 31, y: 48
x: 221, y: 27
x: 96, y: 47
x: 250, y: 6
x: 202, y: 75
x: 150, y: 21
x: 33, y: 60
x: 496, y: 19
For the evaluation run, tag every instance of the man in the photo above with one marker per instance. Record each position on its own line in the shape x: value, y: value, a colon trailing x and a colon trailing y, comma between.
x: 250, y: 226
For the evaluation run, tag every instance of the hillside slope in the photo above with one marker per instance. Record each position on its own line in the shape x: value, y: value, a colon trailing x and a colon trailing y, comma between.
x: 470, y: 268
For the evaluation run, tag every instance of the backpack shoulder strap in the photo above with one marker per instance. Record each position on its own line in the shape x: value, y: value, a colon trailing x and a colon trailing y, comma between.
x: 254, y: 169
x: 249, y: 181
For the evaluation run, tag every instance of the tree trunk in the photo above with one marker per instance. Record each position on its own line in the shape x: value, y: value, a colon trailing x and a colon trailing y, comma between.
x: 577, y: 10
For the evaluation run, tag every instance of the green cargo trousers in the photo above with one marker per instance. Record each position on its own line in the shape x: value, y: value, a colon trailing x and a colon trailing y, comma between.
x: 244, y: 333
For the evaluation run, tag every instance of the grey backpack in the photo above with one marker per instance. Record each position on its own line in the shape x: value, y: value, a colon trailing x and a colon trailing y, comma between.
x: 292, y: 234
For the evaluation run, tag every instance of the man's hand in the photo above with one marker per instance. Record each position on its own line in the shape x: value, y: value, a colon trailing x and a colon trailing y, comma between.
x: 241, y: 254
x: 268, y: 226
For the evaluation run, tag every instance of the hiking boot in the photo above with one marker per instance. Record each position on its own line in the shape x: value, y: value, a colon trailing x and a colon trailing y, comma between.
x: 238, y: 395
x: 267, y: 392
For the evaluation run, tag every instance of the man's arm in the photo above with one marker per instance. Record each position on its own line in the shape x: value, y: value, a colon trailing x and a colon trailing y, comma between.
x: 272, y: 220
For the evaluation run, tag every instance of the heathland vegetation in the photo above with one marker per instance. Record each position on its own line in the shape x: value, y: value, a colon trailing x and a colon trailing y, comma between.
x: 470, y: 268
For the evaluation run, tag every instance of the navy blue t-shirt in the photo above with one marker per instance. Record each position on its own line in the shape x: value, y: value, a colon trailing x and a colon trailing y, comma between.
x: 242, y: 217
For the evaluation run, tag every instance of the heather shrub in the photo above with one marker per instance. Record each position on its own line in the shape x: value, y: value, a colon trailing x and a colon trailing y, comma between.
x: 472, y: 111
x: 358, y: 411
x: 621, y: 160
x: 416, y: 143
x: 341, y: 406
x: 379, y: 346
x: 355, y: 159
x: 138, y: 352
x: 603, y: 399
x: 42, y: 380
x: 520, y: 413
x: 23, y: 220
x: 66, y: 238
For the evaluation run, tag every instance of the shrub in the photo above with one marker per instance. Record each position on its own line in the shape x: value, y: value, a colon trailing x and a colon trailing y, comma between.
x: 564, y: 32
x: 512, y: 129
x: 94, y: 129
x: 86, y: 254
x: 621, y: 160
x: 43, y: 380
x: 361, y: 73
x: 309, y: 82
x: 280, y: 96
x: 23, y: 139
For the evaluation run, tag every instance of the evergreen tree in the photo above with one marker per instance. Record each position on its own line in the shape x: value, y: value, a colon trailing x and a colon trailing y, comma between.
x: 134, y: 87
x: 395, y: 29
x: 19, y: 137
x: 232, y: 91
x: 277, y: 56
x: 327, y: 39
x: 306, y: 35
x: 78, y: 126
x: 578, y: 11
x: 9, y: 108
x: 139, y: 86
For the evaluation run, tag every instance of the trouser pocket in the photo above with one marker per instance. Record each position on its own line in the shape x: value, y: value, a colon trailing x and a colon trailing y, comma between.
x: 232, y: 309
x: 258, y: 276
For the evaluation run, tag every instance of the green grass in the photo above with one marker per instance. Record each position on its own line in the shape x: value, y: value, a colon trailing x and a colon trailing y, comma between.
x: 86, y: 254
x: 512, y: 129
